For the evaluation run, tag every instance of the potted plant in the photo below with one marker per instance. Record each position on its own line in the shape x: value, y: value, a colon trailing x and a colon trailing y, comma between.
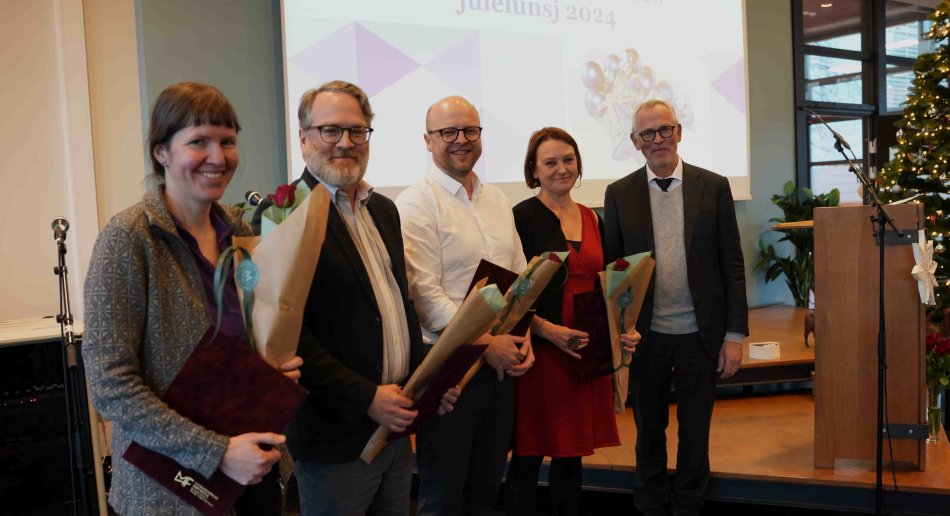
x: 798, y: 268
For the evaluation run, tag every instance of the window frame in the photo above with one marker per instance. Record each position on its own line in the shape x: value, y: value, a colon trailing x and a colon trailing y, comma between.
x: 872, y: 109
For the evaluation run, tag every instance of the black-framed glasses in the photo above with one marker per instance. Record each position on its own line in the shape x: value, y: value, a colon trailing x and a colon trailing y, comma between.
x: 333, y: 133
x: 665, y: 131
x: 450, y: 134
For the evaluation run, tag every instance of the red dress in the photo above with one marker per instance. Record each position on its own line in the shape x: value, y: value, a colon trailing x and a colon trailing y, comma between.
x: 557, y: 415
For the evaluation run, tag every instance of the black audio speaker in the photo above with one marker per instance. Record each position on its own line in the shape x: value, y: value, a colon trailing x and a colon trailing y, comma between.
x: 34, y: 448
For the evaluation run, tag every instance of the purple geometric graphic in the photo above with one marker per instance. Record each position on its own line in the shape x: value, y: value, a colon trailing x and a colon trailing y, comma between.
x: 379, y: 64
x: 497, y: 158
x: 334, y: 55
x: 731, y: 85
x: 460, y: 66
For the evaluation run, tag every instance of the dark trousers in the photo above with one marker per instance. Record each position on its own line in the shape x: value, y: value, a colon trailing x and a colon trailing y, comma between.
x: 564, y: 481
x: 262, y: 499
x: 461, y: 455
x: 683, y: 362
x: 380, y: 488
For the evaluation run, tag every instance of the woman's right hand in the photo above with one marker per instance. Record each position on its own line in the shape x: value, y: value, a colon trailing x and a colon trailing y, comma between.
x: 245, y: 461
x: 566, y: 339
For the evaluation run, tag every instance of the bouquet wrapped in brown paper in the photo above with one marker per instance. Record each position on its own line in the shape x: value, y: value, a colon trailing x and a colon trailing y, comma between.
x: 625, y: 284
x: 478, y: 313
x: 276, y: 269
x: 520, y: 297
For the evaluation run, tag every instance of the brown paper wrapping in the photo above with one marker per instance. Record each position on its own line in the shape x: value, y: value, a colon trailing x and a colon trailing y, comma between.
x: 475, y: 317
x: 287, y: 260
x: 638, y: 280
x: 540, y: 278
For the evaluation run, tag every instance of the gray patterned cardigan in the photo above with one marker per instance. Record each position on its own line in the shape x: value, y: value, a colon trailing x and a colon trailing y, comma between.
x: 145, y: 311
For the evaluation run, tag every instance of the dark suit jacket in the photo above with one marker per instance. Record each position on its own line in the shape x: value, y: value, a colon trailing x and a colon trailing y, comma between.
x: 341, y: 340
x: 713, y: 251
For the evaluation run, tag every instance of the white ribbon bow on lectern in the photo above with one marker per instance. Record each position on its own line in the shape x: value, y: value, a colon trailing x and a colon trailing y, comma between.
x: 925, y: 268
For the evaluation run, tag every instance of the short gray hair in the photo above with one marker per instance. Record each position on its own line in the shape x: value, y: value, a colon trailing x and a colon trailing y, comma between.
x: 650, y: 104
x: 306, y: 101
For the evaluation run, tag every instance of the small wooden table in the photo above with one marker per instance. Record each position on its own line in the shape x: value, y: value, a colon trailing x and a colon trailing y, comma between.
x: 785, y: 325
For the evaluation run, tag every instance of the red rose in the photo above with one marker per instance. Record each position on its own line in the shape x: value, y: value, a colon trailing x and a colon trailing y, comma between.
x: 284, y: 197
x: 554, y: 258
x: 932, y: 340
x: 621, y: 264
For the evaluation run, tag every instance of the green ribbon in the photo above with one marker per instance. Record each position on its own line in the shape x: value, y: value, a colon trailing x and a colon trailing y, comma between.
x: 247, y: 278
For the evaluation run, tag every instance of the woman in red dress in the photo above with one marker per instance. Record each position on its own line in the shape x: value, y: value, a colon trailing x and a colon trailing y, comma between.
x: 557, y: 415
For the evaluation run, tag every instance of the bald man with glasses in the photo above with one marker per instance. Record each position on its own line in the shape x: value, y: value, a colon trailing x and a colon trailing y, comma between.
x: 450, y: 221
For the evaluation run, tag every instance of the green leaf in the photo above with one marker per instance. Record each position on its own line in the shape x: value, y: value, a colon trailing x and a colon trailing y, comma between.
x: 789, y: 189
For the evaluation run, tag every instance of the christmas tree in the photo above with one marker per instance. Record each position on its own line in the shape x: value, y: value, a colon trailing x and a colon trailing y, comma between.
x: 923, y: 137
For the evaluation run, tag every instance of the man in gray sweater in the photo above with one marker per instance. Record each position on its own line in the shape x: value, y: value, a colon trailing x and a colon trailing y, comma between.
x: 694, y: 318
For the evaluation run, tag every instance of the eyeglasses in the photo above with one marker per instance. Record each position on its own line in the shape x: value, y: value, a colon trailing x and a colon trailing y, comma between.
x: 450, y: 134
x: 334, y: 133
x: 665, y: 131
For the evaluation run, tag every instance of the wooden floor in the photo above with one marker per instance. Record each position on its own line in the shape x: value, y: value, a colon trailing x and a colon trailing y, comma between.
x: 771, y: 437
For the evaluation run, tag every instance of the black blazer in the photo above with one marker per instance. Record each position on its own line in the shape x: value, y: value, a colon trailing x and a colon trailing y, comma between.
x: 714, y: 261
x: 341, y: 340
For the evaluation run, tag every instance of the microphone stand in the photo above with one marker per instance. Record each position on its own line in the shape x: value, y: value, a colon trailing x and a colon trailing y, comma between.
x: 879, y: 224
x: 80, y: 470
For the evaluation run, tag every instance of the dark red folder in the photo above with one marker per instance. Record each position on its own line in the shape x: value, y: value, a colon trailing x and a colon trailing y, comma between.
x: 224, y: 387
x: 503, y: 278
x: 590, y: 315
x: 465, y: 356
x: 459, y: 364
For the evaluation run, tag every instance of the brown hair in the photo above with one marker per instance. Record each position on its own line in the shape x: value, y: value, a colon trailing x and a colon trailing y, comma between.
x: 531, y: 157
x: 182, y: 105
x: 348, y: 88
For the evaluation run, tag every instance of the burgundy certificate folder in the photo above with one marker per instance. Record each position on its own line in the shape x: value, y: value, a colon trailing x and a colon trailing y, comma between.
x: 449, y: 377
x: 590, y: 315
x: 224, y: 387
x: 504, y: 278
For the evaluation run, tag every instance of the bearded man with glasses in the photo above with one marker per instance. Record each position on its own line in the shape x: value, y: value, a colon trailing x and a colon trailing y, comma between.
x: 360, y: 338
x: 450, y: 221
x: 694, y: 317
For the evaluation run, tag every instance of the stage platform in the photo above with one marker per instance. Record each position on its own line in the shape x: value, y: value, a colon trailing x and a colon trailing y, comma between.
x: 762, y: 445
x: 762, y: 451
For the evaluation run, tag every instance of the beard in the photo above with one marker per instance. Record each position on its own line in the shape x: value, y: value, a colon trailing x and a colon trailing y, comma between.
x: 339, y: 176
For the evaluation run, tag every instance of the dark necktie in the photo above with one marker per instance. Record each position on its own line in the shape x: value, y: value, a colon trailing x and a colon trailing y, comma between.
x: 664, y: 183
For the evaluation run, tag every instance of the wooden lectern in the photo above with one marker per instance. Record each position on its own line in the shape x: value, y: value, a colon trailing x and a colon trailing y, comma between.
x: 846, y: 321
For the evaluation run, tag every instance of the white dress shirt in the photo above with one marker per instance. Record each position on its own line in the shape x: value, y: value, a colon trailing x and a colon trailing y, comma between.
x: 677, y: 176
x: 445, y: 235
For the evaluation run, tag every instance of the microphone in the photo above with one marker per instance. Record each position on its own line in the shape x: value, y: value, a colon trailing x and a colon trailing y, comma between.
x: 60, y: 226
x: 253, y: 198
x: 838, y: 138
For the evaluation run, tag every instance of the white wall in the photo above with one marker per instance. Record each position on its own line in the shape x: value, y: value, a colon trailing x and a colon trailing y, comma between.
x: 117, y: 129
x: 45, y: 142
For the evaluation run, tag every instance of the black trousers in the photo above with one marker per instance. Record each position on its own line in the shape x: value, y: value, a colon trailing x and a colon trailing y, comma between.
x: 461, y: 455
x: 262, y: 499
x: 564, y: 480
x: 680, y: 361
